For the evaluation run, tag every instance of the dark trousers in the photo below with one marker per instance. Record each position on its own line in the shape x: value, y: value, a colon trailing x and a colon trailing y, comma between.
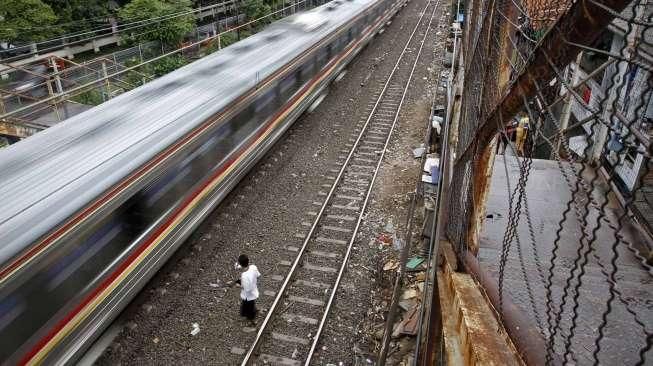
x: 248, y: 309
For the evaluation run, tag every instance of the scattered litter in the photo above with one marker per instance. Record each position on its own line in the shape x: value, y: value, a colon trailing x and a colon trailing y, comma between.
x: 390, y: 265
x: 397, y: 243
x: 396, y: 330
x: 378, y: 334
x: 214, y: 284
x: 407, y: 304
x: 384, y: 238
x: 432, y: 170
x: 409, y: 324
x: 155, y: 340
x: 428, y: 179
x: 417, y: 153
x: 430, y: 163
x: 389, y: 227
x: 420, y: 286
x: 294, y: 353
x: 414, y: 262
x: 437, y: 123
x: 409, y: 294
x: 195, y: 330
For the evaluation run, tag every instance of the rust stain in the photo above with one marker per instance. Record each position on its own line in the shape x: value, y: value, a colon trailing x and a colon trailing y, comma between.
x: 11, y: 129
x: 481, y: 188
x: 472, y: 335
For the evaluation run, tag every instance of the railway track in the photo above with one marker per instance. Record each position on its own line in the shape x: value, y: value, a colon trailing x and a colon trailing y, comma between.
x: 291, y: 330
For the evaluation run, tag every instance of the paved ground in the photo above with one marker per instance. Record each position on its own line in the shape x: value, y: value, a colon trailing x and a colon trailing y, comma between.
x: 269, y: 210
x: 547, y: 197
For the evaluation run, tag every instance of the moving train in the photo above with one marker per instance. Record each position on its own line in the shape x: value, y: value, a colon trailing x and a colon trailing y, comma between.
x: 92, y: 207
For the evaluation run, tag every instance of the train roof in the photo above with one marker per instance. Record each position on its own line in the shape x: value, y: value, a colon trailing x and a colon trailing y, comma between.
x: 53, y: 174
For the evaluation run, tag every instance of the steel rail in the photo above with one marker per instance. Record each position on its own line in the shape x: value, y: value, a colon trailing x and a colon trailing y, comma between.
x: 323, y: 208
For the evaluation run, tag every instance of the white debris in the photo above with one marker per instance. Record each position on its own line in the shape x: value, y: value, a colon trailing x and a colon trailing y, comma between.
x: 417, y: 153
x: 195, y: 330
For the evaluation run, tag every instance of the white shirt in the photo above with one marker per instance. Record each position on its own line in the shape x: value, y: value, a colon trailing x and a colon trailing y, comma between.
x: 248, y: 281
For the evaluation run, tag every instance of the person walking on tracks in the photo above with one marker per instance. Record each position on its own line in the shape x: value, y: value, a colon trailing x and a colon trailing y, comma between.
x: 249, y: 289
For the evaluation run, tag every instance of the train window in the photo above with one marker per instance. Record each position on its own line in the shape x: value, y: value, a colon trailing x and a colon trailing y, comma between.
x: 288, y: 86
x: 307, y: 71
x: 344, y: 40
x: 265, y: 105
x: 242, y: 124
x: 364, y: 23
x: 242, y: 117
x: 334, y: 48
x: 322, y: 57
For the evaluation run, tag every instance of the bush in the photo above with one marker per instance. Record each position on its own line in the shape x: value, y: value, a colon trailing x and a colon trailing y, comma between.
x: 227, y: 39
x: 168, y: 64
x: 169, y: 31
x: 92, y: 97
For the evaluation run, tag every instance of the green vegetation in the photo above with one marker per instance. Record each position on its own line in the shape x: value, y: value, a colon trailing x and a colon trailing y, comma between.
x: 79, y: 15
x: 255, y: 9
x: 168, y: 64
x: 91, y: 97
x: 26, y: 21
x: 169, y: 31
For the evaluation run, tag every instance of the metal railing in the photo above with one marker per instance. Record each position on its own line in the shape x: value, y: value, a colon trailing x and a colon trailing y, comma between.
x: 49, y: 93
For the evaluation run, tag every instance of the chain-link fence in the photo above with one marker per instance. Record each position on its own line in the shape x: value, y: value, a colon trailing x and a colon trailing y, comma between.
x: 554, y: 106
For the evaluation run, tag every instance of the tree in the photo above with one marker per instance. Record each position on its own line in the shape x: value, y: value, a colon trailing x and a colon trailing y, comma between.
x: 26, y: 21
x: 79, y: 15
x: 255, y: 9
x: 169, y: 30
x: 168, y: 64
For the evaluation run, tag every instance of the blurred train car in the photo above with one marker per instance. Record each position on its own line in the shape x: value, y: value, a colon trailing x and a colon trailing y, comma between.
x: 95, y: 205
